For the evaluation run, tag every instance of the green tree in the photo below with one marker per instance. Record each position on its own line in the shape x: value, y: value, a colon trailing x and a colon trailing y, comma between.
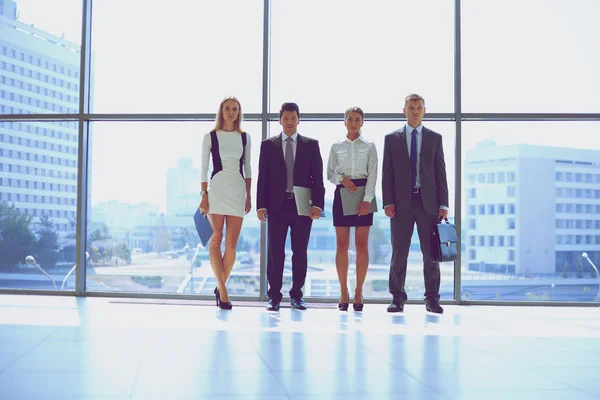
x: 16, y: 239
x: 46, y: 246
x: 565, y: 272
x: 579, y: 273
x: 124, y: 253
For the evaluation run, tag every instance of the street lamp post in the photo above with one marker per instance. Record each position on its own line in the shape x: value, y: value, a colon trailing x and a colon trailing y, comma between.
x: 585, y: 255
x: 31, y: 261
x: 62, y: 286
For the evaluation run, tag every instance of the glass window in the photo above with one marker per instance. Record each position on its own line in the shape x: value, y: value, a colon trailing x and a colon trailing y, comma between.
x: 38, y: 237
x: 152, y: 220
x: 501, y: 241
x: 569, y: 29
x: 491, y: 209
x: 482, y: 209
x: 534, y: 151
x: 481, y: 241
x: 510, y: 191
x: 341, y: 32
x: 212, y: 48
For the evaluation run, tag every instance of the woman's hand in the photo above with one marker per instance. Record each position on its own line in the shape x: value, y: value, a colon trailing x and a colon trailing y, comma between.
x: 363, y: 208
x: 248, y: 204
x: 348, y: 184
x: 204, y: 204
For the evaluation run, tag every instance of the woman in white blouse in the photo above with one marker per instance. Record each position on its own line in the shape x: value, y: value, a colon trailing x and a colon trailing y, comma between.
x: 353, y: 163
x: 227, y: 199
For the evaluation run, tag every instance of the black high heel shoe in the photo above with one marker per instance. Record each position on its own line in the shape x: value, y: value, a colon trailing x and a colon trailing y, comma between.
x: 357, y: 306
x: 221, y: 304
x: 344, y: 306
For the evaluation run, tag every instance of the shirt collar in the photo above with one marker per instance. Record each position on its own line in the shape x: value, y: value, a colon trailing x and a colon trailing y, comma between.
x: 409, y: 129
x: 360, y: 137
x: 284, y: 136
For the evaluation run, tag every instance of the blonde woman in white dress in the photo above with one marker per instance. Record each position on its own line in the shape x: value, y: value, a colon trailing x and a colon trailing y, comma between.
x: 227, y: 198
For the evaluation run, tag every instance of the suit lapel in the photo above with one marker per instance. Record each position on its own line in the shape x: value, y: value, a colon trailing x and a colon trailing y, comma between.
x: 279, y: 150
x: 299, y: 154
x: 403, y: 146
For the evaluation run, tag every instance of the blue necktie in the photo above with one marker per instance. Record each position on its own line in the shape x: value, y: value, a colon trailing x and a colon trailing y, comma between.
x: 413, y: 158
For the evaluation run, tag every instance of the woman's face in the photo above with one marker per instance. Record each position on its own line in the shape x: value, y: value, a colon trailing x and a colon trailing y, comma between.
x: 353, y: 123
x: 230, y: 110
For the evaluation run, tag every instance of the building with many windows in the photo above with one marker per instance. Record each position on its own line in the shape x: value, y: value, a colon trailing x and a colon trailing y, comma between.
x: 38, y: 160
x: 531, y: 209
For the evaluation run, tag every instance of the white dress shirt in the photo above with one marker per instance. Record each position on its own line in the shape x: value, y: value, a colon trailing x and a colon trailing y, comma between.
x: 356, y: 159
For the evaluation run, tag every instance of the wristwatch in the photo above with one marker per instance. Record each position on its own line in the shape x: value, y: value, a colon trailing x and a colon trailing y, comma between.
x: 342, y: 178
x: 203, y: 192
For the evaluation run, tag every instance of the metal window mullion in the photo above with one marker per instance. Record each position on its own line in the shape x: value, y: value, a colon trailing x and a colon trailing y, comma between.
x: 457, y: 148
x: 83, y: 150
x: 264, y: 118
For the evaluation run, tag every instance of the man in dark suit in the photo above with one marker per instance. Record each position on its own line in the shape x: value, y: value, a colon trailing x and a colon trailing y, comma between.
x: 414, y: 190
x: 288, y: 160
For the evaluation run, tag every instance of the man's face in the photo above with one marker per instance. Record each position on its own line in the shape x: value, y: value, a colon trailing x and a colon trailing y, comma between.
x: 414, y: 110
x: 289, y: 120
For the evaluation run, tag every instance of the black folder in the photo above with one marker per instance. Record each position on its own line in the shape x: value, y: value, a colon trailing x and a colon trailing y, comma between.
x: 444, y: 242
x: 203, y: 227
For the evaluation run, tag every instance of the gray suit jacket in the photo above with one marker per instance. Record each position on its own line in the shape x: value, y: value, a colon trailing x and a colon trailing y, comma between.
x: 396, y: 179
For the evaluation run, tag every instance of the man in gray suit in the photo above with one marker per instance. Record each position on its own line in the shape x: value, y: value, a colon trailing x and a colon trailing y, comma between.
x: 414, y: 190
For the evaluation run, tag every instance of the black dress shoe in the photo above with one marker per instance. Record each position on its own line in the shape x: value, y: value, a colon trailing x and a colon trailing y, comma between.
x: 434, y: 307
x: 273, y: 305
x: 299, y: 304
x: 395, y: 307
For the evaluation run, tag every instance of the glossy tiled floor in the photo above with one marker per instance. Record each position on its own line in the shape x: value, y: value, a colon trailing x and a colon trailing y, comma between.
x: 67, y: 348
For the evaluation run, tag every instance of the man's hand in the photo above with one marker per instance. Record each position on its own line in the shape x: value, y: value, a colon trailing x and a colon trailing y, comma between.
x: 262, y: 215
x: 363, y: 208
x: 314, y: 213
x: 348, y: 184
x: 443, y: 214
x: 390, y: 211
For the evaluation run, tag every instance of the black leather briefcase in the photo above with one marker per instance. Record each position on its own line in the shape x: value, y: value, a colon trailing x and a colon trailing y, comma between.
x: 444, y: 242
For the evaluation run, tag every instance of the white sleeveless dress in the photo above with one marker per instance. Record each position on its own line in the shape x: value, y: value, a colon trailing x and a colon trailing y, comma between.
x: 227, y: 188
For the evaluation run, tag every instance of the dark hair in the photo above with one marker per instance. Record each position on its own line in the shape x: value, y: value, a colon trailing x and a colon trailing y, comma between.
x: 356, y: 110
x: 289, y: 107
x: 413, y: 97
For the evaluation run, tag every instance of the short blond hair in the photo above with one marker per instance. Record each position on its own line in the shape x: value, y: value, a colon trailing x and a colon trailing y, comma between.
x: 356, y: 110
x: 413, y: 97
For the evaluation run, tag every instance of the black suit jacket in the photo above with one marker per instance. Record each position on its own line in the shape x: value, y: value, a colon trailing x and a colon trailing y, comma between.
x: 396, y: 176
x: 272, y: 177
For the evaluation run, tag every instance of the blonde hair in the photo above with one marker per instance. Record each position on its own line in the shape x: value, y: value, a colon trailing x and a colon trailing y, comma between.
x: 413, y: 97
x: 237, y: 124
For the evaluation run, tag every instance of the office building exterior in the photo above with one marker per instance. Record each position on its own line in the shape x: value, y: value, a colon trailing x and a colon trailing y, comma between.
x: 530, y: 209
x: 39, y: 74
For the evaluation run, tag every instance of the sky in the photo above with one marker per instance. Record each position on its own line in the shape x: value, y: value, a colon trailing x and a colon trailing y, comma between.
x: 185, y: 56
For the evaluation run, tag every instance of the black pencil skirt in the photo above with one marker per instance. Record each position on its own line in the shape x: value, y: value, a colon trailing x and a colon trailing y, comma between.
x: 339, y: 219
